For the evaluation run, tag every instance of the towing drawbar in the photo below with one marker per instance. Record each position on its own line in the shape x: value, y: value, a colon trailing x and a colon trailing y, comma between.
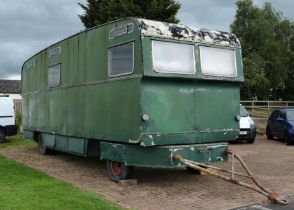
x: 211, y: 170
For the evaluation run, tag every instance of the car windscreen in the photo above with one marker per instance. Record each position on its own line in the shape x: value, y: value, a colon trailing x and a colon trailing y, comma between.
x: 290, y: 115
x: 243, y: 111
x: 169, y: 57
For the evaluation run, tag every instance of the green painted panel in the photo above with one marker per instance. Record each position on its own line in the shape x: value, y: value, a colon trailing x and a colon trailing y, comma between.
x: 76, y: 145
x: 48, y: 140
x: 71, y: 73
x: 61, y: 143
x: 41, y: 72
x: 42, y: 107
x: 58, y: 111
x: 187, y: 137
x: 33, y: 111
x: 189, y: 111
x: 217, y: 105
x: 75, y: 104
x: 25, y: 111
x: 114, y: 110
x: 96, y: 55
x: 169, y: 104
x: 161, y: 156
x: 82, y: 56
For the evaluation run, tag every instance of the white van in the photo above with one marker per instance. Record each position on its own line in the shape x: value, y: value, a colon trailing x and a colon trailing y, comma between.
x: 247, y: 126
x: 7, y: 118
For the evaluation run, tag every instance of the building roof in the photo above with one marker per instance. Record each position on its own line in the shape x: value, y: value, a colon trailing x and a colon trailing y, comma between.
x: 10, y: 86
x: 182, y: 32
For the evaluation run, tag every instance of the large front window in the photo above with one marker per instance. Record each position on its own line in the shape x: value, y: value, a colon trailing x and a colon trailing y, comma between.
x: 171, y: 57
x: 218, y: 61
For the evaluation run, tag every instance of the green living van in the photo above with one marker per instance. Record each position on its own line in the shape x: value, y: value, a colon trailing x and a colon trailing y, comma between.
x: 135, y: 92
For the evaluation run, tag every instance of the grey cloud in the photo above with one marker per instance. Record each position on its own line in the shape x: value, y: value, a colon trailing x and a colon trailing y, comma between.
x: 31, y: 25
x: 27, y: 27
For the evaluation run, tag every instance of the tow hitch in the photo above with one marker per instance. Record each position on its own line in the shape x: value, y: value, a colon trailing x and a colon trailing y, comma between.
x: 211, y: 170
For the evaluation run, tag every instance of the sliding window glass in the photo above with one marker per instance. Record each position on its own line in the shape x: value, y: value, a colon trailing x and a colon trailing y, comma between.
x: 54, y: 76
x: 121, y: 59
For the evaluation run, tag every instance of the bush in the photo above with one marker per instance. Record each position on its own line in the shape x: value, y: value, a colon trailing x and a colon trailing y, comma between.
x: 18, y: 119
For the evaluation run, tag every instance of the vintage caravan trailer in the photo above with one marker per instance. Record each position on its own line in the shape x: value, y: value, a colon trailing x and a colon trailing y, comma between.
x: 135, y: 92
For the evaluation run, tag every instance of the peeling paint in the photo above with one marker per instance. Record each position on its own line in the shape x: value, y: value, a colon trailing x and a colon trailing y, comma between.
x: 181, y: 32
x: 219, y: 159
x: 133, y: 141
x: 186, y: 91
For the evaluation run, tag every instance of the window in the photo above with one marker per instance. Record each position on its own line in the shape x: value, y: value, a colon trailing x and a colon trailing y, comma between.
x: 290, y: 115
x: 54, y: 76
x: 171, y: 57
x: 243, y: 111
x: 121, y: 59
x: 218, y: 61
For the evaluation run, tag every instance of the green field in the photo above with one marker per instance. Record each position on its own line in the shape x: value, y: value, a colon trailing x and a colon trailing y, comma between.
x: 23, y: 188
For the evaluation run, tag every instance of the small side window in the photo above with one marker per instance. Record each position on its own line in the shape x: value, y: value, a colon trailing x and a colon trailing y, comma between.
x: 121, y: 59
x: 54, y: 76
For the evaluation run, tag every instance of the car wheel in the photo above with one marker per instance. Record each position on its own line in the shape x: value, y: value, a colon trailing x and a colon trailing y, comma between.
x: 286, y: 138
x: 250, y: 141
x: 268, y: 133
x: 119, y: 171
x: 2, y: 136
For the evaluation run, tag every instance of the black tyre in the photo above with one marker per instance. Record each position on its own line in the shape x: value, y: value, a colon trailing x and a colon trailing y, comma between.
x: 250, y: 141
x: 268, y: 133
x: 42, y: 149
x: 193, y: 171
x: 286, y: 138
x: 119, y: 171
x: 2, y: 136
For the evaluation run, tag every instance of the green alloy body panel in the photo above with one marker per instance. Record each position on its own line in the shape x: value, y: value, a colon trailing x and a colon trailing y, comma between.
x: 72, y: 98
x: 161, y: 156
x: 88, y: 103
x: 188, y: 112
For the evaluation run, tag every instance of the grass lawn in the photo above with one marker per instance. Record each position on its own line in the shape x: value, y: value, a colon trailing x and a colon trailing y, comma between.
x: 17, y: 142
x: 23, y: 188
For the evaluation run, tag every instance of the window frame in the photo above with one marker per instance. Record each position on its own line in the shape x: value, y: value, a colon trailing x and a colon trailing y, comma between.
x: 109, y: 60
x: 173, y: 72
x: 58, y: 64
x: 219, y: 75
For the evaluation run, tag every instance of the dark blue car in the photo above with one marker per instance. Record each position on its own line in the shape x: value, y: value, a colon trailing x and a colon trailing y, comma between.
x: 281, y: 125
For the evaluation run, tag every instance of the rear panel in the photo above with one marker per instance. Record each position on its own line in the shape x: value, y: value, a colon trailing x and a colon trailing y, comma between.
x: 189, y: 108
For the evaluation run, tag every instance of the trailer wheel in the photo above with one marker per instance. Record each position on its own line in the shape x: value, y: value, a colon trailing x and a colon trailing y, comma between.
x: 119, y: 171
x: 2, y: 136
x: 42, y: 150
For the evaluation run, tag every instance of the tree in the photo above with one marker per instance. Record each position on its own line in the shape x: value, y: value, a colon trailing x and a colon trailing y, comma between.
x: 98, y: 12
x: 266, y: 38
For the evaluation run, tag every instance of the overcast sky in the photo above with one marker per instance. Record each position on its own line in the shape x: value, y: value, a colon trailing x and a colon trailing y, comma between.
x: 29, y: 26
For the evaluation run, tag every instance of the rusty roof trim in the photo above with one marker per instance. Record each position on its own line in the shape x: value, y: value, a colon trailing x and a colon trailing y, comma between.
x: 181, y: 32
